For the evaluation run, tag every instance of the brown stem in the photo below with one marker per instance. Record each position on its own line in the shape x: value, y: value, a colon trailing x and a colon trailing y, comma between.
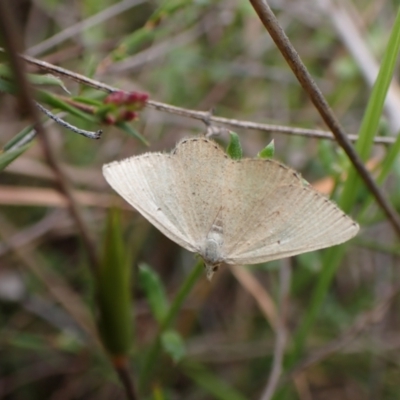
x: 11, y: 40
x: 271, y: 23
x: 200, y: 115
x: 11, y: 36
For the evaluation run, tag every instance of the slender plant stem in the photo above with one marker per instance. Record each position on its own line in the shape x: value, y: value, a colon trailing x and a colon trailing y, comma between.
x: 11, y: 39
x: 176, y: 305
x: 200, y: 115
x: 65, y: 124
x: 124, y: 374
x: 12, y: 42
x: 281, y: 334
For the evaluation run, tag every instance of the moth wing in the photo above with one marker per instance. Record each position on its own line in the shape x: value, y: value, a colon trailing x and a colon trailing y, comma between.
x: 147, y: 182
x: 279, y: 216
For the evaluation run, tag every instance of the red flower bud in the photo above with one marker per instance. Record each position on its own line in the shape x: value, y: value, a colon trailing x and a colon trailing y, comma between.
x: 109, y: 119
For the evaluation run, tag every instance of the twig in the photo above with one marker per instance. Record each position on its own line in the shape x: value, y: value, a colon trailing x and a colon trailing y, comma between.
x: 32, y: 133
x: 199, y: 115
x: 289, y: 130
x: 271, y: 23
x: 11, y: 40
x: 260, y: 295
x: 279, y: 350
x: 65, y: 124
x: 10, y: 34
x: 122, y: 369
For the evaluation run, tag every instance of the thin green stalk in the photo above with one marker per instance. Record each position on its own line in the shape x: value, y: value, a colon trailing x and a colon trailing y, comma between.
x: 372, y: 115
x: 153, y: 353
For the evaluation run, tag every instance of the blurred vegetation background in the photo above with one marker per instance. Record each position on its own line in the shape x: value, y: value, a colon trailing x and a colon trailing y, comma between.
x: 148, y: 311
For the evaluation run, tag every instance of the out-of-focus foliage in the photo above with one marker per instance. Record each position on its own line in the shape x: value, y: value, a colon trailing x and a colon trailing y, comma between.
x: 194, y: 339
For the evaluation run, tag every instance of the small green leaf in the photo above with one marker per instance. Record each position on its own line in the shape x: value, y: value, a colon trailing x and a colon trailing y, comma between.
x: 19, y: 137
x: 114, y: 292
x: 58, y: 103
x: 89, y: 101
x: 234, y: 149
x: 166, y: 9
x: 36, y: 79
x: 268, y: 151
x: 132, y: 43
x: 130, y: 130
x: 173, y: 345
x: 151, y: 283
x: 9, y: 156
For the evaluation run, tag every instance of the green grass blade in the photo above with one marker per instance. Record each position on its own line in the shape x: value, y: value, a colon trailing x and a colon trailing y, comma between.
x: 333, y: 256
x: 114, y: 291
x: 8, y: 157
x: 372, y: 115
x: 151, y: 357
x: 154, y: 291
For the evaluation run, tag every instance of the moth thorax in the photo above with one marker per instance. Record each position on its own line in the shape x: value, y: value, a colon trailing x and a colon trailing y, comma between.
x: 212, y: 248
x: 212, y: 253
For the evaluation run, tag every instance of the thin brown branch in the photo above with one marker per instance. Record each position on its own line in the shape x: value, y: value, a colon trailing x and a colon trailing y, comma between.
x: 281, y: 335
x: 65, y: 124
x: 258, y: 292
x: 12, y: 44
x: 122, y: 368
x: 199, y: 115
x: 271, y: 23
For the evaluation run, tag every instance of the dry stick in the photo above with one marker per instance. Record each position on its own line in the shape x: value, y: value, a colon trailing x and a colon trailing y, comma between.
x: 271, y: 23
x: 199, y: 115
x: 258, y: 292
x: 10, y: 34
x: 279, y: 350
x: 65, y: 124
